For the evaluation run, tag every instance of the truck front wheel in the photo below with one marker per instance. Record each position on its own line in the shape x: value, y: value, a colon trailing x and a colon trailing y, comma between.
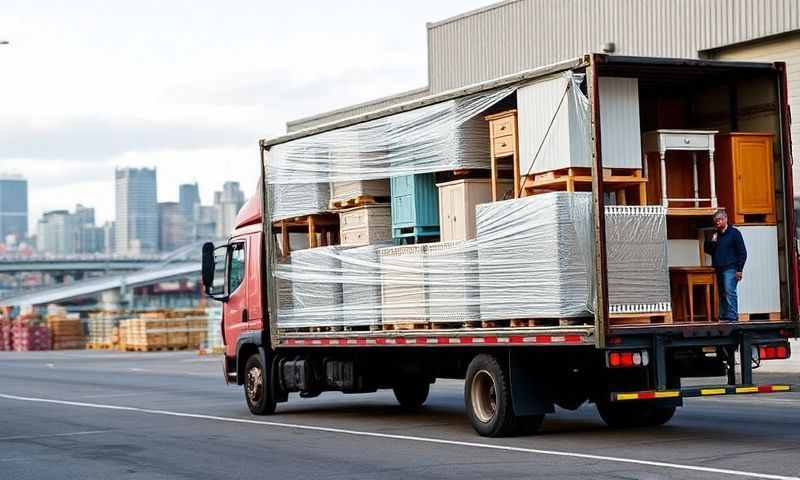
x: 412, y: 393
x: 487, y: 394
x: 257, y: 387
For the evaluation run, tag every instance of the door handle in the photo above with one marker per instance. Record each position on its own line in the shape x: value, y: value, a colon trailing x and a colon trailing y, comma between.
x: 244, y: 316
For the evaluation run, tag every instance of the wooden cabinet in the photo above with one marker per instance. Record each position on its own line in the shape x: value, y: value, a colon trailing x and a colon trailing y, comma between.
x: 504, y: 149
x: 457, y: 201
x: 744, y: 178
x: 415, y: 206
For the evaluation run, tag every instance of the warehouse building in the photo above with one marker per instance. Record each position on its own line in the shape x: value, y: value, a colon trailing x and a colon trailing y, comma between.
x: 516, y: 35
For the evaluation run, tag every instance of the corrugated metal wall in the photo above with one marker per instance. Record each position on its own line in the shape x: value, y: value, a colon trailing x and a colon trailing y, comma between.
x: 519, y: 34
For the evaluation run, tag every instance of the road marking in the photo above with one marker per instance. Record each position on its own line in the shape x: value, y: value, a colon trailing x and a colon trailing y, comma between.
x: 440, y: 441
x: 70, y: 434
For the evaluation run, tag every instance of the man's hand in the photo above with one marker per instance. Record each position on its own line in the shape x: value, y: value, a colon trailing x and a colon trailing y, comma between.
x: 738, y: 276
x: 714, y: 239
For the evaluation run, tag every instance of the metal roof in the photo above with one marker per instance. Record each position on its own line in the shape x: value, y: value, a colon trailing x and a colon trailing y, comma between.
x: 515, y: 35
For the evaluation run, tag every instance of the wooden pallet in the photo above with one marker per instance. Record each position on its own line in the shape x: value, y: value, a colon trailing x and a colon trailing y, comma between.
x: 154, y: 348
x: 100, y: 346
x: 580, y: 179
x: 357, y: 202
x: 406, y: 326
x: 760, y: 317
x: 617, y: 319
x: 551, y: 322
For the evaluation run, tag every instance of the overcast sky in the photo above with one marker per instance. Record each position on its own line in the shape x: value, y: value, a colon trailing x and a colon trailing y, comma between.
x: 188, y: 87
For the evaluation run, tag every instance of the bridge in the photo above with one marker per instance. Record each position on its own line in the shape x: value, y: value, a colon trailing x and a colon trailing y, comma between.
x: 94, y: 286
x: 124, y: 273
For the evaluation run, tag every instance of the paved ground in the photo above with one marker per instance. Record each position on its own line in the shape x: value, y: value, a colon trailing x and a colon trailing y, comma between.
x: 100, y: 415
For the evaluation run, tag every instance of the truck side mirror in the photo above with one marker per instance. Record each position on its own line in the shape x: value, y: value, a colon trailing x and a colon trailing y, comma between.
x: 213, y: 271
x: 208, y: 267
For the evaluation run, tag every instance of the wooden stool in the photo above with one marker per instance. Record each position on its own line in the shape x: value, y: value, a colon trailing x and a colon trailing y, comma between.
x: 683, y: 280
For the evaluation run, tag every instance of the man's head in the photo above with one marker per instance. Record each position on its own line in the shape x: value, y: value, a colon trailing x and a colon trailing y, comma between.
x: 721, y: 219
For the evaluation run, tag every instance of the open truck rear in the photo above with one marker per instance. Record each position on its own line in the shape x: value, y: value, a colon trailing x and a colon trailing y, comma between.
x: 629, y: 358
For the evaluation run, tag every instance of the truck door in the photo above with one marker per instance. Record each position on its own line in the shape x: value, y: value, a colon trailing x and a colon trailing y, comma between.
x: 235, y: 313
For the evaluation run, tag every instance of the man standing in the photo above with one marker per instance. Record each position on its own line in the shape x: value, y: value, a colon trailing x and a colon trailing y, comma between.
x: 728, y: 254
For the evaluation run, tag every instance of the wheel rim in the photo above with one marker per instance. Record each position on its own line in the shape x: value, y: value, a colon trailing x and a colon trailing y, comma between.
x: 254, y: 384
x: 484, y: 396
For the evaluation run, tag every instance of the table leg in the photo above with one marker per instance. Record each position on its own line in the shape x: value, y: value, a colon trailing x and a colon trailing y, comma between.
x: 708, y: 303
x: 663, y: 157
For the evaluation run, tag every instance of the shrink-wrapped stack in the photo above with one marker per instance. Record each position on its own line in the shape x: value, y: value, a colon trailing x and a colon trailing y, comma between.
x: 636, y: 256
x: 298, y: 199
x: 452, y: 277
x: 361, y: 285
x: 404, y: 295
x: 316, y: 288
x: 535, y: 256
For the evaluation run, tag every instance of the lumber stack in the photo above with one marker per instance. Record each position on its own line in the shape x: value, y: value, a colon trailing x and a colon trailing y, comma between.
x: 67, y: 331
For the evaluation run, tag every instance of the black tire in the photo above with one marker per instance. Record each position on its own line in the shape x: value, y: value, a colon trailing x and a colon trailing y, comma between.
x: 487, y: 395
x: 632, y: 415
x: 258, y: 393
x: 412, y: 394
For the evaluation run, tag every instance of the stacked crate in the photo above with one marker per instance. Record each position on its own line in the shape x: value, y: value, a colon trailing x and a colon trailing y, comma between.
x: 5, y: 333
x: 67, y: 332
x: 148, y: 332
x: 28, y: 334
x: 404, y: 296
x: 213, y: 338
x: 102, y: 329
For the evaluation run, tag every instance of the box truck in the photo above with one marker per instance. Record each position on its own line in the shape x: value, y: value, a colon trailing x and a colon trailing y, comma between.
x: 580, y: 276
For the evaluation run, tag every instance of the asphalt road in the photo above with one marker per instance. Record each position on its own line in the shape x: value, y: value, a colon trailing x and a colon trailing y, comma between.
x: 101, y: 415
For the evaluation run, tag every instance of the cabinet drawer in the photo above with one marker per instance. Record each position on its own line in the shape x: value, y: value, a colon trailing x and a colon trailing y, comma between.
x: 365, y: 235
x: 503, y: 126
x: 504, y: 145
x: 687, y: 141
x: 364, y: 216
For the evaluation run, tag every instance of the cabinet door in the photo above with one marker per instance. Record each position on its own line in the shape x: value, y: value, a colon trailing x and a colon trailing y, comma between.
x: 403, y: 211
x: 753, y: 169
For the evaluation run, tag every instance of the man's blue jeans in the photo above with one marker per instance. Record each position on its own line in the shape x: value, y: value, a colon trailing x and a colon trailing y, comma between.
x: 728, y: 304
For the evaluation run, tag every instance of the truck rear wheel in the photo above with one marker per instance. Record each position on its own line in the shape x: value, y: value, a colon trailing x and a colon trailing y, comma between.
x: 487, y: 394
x: 412, y: 393
x: 257, y: 387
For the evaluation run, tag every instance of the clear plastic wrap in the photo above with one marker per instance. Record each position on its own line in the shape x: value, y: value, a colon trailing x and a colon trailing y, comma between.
x: 532, y: 259
x: 636, y: 255
x: 535, y: 256
x: 444, y: 136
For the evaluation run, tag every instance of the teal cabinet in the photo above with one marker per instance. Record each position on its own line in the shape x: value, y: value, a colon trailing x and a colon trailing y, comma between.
x: 415, y: 206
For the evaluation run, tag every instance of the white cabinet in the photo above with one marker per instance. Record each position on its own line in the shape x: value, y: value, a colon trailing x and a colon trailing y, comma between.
x: 457, y: 201
x: 567, y: 145
x: 759, y: 290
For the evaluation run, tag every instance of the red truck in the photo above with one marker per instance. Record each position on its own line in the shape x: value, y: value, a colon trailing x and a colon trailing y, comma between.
x: 514, y: 376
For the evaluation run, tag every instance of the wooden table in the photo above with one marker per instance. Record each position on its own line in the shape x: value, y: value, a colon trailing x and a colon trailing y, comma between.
x: 682, y: 282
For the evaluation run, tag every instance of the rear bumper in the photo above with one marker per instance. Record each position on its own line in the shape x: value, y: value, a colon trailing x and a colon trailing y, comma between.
x: 703, y: 391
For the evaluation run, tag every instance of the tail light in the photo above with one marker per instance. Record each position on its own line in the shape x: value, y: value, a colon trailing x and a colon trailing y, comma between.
x: 779, y: 351
x: 627, y: 358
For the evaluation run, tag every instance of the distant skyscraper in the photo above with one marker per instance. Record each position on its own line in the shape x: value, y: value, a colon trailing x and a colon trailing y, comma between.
x: 56, y: 232
x: 13, y: 207
x: 136, y: 230
x: 109, y: 229
x: 188, y: 197
x: 228, y: 203
x: 205, y: 222
x: 172, y: 226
